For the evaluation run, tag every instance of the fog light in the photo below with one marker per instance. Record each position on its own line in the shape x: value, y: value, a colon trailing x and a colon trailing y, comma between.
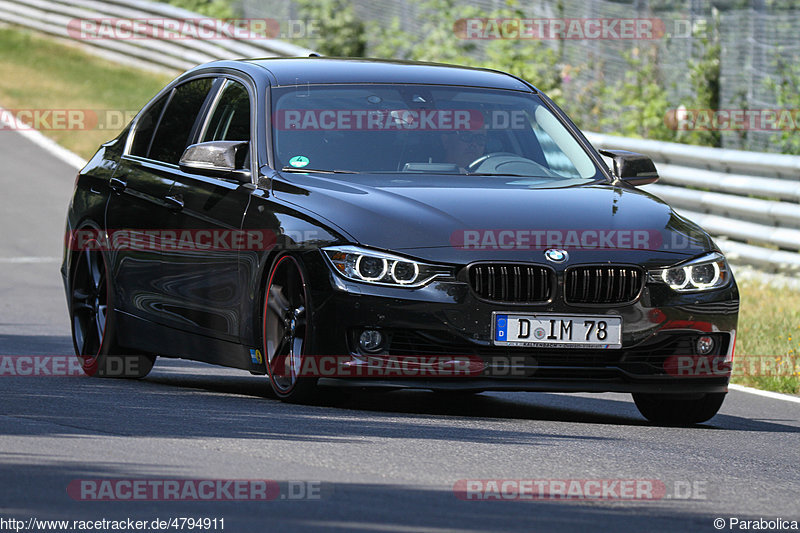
x: 705, y: 345
x: 371, y: 340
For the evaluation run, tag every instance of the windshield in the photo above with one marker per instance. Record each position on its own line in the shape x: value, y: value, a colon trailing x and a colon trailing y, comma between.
x: 413, y: 129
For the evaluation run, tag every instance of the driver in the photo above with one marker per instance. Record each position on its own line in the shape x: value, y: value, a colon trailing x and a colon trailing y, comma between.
x: 462, y: 147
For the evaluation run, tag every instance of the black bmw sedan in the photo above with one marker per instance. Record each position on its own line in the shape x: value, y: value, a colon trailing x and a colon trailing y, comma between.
x: 361, y: 223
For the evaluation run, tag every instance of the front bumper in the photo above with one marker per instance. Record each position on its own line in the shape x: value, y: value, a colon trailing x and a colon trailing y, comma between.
x: 446, y: 320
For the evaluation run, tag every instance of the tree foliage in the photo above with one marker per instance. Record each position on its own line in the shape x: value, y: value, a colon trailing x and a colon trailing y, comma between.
x: 340, y: 32
x: 220, y: 9
x: 637, y: 105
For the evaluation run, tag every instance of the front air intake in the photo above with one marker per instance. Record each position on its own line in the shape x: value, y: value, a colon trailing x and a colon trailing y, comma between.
x: 602, y: 284
x: 512, y: 282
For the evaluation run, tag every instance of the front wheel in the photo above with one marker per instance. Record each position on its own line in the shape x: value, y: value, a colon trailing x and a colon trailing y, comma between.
x: 670, y: 410
x: 286, y: 330
x: 93, y: 321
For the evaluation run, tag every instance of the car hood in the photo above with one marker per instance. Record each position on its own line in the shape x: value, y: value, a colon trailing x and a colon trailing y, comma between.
x: 442, y: 218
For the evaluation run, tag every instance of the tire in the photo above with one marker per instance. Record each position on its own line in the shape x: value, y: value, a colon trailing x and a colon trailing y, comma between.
x: 92, y: 320
x: 286, y: 330
x: 668, y: 410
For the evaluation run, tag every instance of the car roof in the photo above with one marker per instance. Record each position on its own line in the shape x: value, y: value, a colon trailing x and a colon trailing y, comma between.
x: 316, y: 70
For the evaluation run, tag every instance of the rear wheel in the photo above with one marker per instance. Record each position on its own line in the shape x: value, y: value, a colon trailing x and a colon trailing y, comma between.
x: 92, y: 319
x: 676, y: 411
x: 286, y: 330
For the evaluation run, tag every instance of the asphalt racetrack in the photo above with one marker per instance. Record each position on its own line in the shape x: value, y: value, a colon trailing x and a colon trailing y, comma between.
x: 358, y: 461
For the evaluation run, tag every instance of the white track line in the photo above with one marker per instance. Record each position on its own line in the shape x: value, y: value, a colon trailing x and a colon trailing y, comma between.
x: 49, y: 145
x: 765, y: 393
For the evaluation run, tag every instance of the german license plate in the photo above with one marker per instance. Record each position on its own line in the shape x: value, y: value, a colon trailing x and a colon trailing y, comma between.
x: 557, y: 331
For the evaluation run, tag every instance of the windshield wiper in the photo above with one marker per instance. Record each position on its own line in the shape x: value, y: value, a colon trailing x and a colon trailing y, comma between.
x: 319, y: 170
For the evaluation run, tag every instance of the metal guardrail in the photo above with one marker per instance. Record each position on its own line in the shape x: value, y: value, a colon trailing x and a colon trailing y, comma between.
x: 53, y: 17
x: 749, y: 201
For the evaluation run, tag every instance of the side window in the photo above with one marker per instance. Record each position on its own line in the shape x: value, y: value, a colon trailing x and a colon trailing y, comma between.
x: 172, y: 135
x: 230, y: 120
x: 146, y: 126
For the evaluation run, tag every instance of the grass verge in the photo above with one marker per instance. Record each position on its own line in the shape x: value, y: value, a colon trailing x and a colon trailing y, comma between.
x: 38, y: 73
x: 768, y: 338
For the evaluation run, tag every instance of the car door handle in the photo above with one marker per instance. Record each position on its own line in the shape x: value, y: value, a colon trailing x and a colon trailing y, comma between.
x: 117, y: 184
x: 175, y: 203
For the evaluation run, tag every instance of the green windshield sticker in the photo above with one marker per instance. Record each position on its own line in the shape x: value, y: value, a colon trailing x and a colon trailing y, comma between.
x: 298, y: 161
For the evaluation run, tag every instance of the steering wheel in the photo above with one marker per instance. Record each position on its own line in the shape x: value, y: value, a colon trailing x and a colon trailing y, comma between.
x: 495, y: 160
x: 472, y: 167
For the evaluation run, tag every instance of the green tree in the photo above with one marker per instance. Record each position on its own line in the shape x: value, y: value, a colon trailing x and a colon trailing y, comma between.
x: 704, y: 77
x: 636, y: 106
x: 444, y: 42
x: 340, y: 32
x: 439, y: 41
x: 784, y: 86
x: 530, y: 59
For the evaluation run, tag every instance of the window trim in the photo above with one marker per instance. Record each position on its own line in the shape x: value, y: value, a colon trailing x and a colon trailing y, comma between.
x: 209, y: 112
x: 212, y: 107
x: 193, y: 131
x: 134, y: 128
x: 171, y: 90
x: 205, y: 112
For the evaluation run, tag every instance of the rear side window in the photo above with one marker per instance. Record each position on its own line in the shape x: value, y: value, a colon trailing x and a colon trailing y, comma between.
x: 145, y: 127
x: 172, y: 135
x: 231, y: 118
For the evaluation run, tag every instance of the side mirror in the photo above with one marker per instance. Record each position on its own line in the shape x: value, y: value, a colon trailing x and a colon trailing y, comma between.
x: 217, y: 158
x: 633, y: 168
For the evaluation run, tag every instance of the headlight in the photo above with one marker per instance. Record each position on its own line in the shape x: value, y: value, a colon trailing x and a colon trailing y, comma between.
x: 380, y: 268
x: 702, y: 274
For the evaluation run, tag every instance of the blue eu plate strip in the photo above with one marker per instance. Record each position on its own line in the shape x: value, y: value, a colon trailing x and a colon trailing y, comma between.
x: 500, y: 327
